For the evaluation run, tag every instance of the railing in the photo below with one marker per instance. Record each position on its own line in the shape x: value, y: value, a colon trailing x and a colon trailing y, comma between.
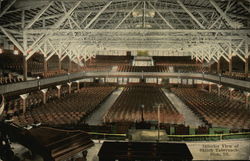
x: 204, y: 137
x: 244, y: 85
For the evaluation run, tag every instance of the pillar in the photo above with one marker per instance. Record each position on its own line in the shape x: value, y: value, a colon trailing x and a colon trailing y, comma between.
x: 58, y: 90
x: 202, y: 84
x: 70, y: 65
x: 24, y: 98
x: 69, y: 84
x: 25, y: 68
x: 219, y: 87
x: 45, y: 66
x: 230, y: 66
x: 44, y: 91
x: 60, y: 64
x: 231, y: 93
x: 218, y: 66
x: 246, y: 67
x: 79, y: 67
x: 210, y: 68
x: 78, y: 86
x: 2, y: 105
x: 210, y: 87
x: 247, y: 98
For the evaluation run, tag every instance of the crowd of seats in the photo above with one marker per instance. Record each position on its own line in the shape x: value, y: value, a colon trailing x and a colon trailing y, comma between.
x: 236, y: 94
x: 14, y: 63
x: 128, y: 106
x: 237, y: 75
x: 166, y: 60
x: 97, y: 68
x: 105, y: 63
x: 181, y: 68
x: 14, y: 104
x: 127, y: 68
x: 70, y: 110
x: 54, y: 73
x: 8, y: 80
x: 214, y: 110
x: 190, y: 68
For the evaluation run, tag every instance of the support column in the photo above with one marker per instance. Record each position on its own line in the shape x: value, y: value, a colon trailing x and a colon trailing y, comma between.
x: 219, y: 87
x: 2, y: 105
x: 69, y: 84
x: 58, y: 90
x: 70, y: 66
x: 60, y: 64
x: 24, y: 98
x: 247, y: 94
x: 210, y: 68
x: 45, y: 66
x: 210, y: 87
x: 246, y: 67
x: 25, y: 68
x: 78, y: 86
x: 79, y: 67
x: 44, y: 91
x: 230, y: 66
x: 218, y: 66
x: 231, y: 93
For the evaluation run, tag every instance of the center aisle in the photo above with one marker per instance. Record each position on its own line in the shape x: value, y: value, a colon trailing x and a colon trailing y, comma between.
x: 190, y: 118
x: 96, y: 118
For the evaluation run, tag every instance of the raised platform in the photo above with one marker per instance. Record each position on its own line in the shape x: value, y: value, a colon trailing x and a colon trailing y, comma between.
x: 146, y: 151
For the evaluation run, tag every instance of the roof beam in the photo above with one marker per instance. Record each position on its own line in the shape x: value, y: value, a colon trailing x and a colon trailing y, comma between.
x: 129, y: 13
x: 6, y: 8
x: 85, y: 18
x: 232, y: 23
x: 112, y: 16
x: 163, y: 18
x: 13, y: 40
x: 97, y: 15
x: 190, y: 14
x: 63, y: 18
x: 38, y: 15
x: 245, y: 7
x: 178, y: 20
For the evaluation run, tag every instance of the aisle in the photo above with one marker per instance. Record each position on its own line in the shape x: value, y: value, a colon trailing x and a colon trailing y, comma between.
x: 96, y: 117
x: 190, y: 118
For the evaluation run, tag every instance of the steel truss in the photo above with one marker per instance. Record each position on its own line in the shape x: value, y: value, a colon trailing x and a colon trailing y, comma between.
x: 206, y: 30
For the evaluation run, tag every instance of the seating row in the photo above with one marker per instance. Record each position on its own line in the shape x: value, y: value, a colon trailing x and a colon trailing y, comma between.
x: 163, y: 68
x: 138, y: 100
x: 214, y: 110
x: 69, y: 110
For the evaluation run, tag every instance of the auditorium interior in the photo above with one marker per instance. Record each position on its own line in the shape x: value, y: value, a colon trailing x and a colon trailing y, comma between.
x: 124, y: 80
